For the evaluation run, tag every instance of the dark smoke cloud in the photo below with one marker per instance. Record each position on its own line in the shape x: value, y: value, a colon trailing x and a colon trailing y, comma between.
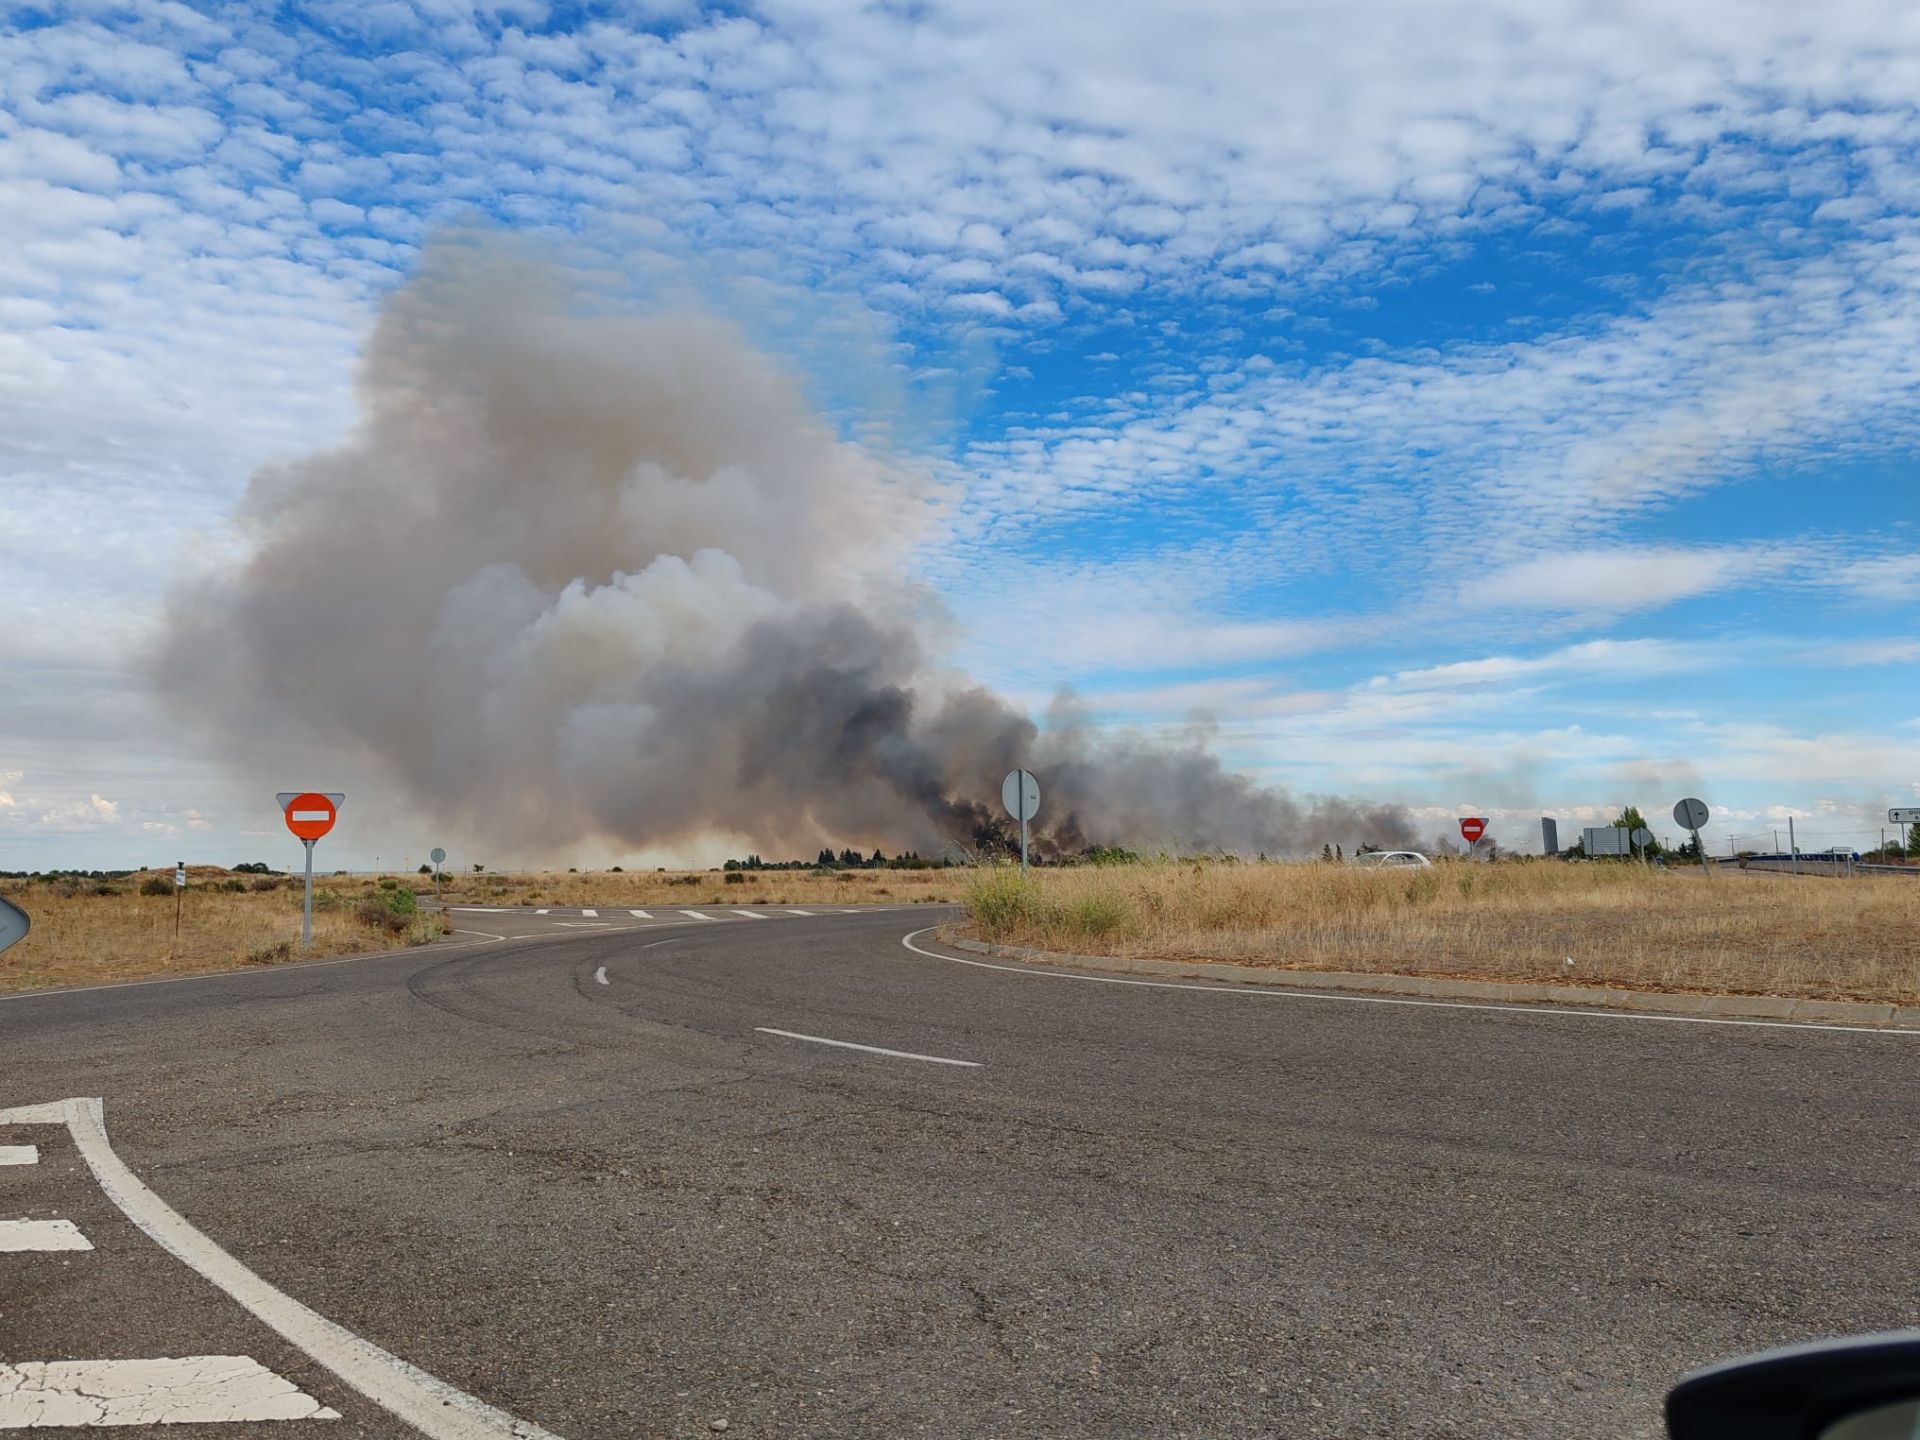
x: 587, y: 578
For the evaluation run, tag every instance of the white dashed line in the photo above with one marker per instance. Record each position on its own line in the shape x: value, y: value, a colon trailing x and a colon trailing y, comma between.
x: 430, y: 1406
x: 600, y: 976
x: 752, y: 914
x: 639, y: 914
x: 543, y: 912
x: 183, y: 1391
x: 799, y: 912
x: 18, y: 1235
x: 590, y: 914
x: 19, y: 1154
x: 870, y: 1049
x: 695, y: 914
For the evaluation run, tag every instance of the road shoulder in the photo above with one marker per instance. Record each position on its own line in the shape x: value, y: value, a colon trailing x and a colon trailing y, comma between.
x: 1731, y: 1007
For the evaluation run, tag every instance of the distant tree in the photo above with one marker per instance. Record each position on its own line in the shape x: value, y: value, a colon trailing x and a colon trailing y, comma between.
x: 614, y: 871
x: 1326, y: 853
x: 1630, y: 820
x: 826, y: 858
x: 878, y: 858
x: 426, y: 869
x: 478, y: 867
x: 1338, y: 854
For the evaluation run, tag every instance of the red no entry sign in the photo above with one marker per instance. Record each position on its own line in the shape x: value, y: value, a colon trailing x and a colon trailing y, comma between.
x: 1472, y: 828
x: 310, y: 814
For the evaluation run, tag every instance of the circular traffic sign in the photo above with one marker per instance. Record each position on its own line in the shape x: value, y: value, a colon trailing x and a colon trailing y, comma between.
x: 1690, y: 814
x: 1472, y: 828
x: 438, y: 855
x: 1642, y: 837
x: 1020, y: 793
x: 311, y: 815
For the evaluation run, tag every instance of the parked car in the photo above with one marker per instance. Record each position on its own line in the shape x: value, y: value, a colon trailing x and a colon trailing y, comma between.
x: 1393, y: 860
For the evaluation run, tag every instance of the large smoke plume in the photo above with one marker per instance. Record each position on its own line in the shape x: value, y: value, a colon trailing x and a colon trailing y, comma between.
x: 582, y: 578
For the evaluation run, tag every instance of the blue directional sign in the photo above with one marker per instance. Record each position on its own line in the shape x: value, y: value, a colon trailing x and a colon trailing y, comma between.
x: 13, y: 924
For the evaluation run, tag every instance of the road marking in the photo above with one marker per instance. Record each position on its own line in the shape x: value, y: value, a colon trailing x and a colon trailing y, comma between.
x: 430, y: 1406
x: 639, y: 914
x: 17, y: 1235
x: 190, y: 1389
x: 752, y: 914
x: 698, y: 916
x: 870, y: 1049
x: 799, y: 912
x: 591, y: 914
x: 600, y: 976
x: 19, y: 1154
x: 1251, y: 993
x: 542, y: 912
x: 584, y: 924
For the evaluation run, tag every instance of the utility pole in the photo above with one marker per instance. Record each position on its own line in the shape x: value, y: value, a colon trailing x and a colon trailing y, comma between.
x: 1793, y: 845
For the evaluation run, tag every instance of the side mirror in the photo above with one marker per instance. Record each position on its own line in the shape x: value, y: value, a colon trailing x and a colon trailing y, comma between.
x: 1866, y: 1388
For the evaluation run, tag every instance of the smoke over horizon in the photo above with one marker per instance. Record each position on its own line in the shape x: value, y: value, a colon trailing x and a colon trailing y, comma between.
x: 585, y: 577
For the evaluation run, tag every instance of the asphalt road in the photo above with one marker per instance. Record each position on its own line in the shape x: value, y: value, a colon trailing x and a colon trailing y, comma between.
x: 570, y: 1172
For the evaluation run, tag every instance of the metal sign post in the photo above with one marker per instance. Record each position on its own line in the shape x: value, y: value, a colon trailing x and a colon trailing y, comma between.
x: 310, y: 815
x: 439, y: 858
x: 1020, y: 793
x: 179, y: 892
x: 1691, y: 814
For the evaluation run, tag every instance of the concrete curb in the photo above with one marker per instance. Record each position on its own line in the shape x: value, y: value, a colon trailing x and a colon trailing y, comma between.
x: 1725, y: 1007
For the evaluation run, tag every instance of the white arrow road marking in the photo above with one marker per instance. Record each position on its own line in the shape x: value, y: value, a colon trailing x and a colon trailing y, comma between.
x: 698, y: 916
x: 600, y: 976
x: 19, y: 1154
x: 191, y: 1389
x: 870, y: 1049
x: 41, y: 1235
x: 752, y: 914
x: 639, y: 914
x: 430, y: 1406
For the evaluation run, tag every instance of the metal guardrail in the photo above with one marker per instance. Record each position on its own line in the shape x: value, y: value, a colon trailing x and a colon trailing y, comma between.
x: 1827, y: 865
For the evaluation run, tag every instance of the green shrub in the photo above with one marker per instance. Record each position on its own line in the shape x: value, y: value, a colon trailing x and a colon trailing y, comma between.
x: 156, y: 885
x: 1096, y: 917
x: 734, y: 877
x: 1001, y: 899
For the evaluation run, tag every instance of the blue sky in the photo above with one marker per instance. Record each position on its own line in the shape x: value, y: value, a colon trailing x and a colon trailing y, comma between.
x: 1497, y: 408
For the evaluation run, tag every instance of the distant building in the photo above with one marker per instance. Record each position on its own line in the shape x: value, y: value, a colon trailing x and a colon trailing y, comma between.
x: 1549, y: 835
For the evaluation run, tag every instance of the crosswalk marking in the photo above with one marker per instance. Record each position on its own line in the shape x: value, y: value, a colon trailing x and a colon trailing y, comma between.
x: 186, y: 1390
x: 751, y: 914
x: 17, y: 1235
x: 19, y: 1154
x: 639, y: 914
x: 698, y: 916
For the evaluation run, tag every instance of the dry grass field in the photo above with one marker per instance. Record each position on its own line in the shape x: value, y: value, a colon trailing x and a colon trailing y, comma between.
x: 707, y: 887
x: 1597, y: 924
x: 88, y: 932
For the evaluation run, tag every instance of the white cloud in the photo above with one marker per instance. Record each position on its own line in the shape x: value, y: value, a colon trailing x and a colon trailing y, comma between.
x: 1615, y: 580
x: 1893, y: 578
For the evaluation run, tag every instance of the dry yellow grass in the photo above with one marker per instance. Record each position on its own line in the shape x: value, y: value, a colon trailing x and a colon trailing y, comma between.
x: 1620, y: 925
x: 81, y: 936
x: 707, y: 887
